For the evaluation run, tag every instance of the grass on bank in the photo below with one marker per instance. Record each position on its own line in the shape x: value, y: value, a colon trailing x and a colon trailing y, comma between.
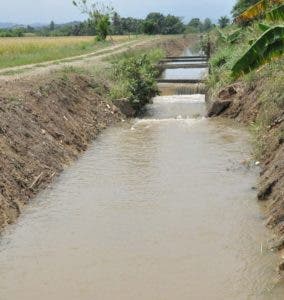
x: 226, y: 54
x: 265, y: 81
x: 33, y: 50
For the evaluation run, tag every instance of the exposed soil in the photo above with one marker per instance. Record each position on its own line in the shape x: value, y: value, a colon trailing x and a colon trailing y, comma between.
x: 46, y: 121
x: 241, y: 101
x: 42, y: 131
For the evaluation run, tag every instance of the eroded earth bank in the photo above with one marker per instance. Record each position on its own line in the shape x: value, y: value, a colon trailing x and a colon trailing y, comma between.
x: 47, y: 120
x: 257, y: 101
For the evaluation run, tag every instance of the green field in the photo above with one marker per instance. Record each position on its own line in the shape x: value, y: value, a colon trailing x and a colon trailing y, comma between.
x: 33, y: 50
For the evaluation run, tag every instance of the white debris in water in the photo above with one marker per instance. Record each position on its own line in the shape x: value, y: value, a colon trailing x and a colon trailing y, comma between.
x: 148, y: 122
x: 197, y: 98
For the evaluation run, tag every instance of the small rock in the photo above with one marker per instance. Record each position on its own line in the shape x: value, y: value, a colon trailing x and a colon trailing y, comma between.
x: 257, y: 163
x: 218, y: 107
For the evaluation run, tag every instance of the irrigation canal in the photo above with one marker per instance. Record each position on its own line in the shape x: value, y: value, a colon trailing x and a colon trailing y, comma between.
x: 159, y: 208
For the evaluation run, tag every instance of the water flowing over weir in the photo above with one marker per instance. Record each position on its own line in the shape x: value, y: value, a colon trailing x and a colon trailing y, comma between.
x: 159, y: 208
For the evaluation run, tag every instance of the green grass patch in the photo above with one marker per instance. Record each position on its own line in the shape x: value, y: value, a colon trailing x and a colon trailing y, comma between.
x: 23, y: 51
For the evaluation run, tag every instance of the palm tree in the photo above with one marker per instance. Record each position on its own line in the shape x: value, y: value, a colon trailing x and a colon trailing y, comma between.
x: 224, y: 21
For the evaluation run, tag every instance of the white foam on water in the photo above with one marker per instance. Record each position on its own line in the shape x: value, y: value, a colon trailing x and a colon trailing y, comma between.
x: 149, y: 122
x: 197, y: 98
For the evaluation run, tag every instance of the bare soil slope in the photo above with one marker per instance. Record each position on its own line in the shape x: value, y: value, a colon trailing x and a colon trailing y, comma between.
x: 46, y: 120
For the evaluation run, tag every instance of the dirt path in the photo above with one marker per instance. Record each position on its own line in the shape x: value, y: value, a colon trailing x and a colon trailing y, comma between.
x: 31, y: 70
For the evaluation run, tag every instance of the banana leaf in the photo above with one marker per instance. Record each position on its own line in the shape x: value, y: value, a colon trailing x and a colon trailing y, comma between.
x: 269, y: 45
x: 222, y: 35
x: 252, y: 12
x: 257, y: 10
x: 276, y: 14
x: 232, y: 37
x: 263, y: 27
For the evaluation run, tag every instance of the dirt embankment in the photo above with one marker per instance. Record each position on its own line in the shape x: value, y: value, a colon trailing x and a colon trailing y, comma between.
x: 45, y: 123
x: 41, y: 131
x: 259, y: 104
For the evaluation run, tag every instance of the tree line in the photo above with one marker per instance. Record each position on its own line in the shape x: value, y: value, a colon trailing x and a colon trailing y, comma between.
x: 105, y: 21
x: 102, y: 21
x: 154, y: 23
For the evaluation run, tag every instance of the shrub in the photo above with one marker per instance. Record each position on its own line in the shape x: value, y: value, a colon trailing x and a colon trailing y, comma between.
x: 135, y: 77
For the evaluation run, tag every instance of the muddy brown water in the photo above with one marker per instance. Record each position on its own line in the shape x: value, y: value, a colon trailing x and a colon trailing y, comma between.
x: 159, y: 208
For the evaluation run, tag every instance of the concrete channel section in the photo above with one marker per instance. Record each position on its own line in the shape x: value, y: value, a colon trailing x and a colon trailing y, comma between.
x: 184, y: 69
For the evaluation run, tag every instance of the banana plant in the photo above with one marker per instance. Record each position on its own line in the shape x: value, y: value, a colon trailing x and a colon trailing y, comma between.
x: 263, y: 27
x: 234, y: 36
x: 269, y: 45
x: 257, y: 10
x: 231, y: 37
x: 252, y: 12
x: 222, y: 35
x: 276, y: 14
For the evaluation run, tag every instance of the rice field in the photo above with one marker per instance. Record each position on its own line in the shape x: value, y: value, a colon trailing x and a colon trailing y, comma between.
x: 33, y: 50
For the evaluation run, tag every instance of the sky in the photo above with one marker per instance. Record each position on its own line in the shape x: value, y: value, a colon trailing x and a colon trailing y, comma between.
x: 43, y: 11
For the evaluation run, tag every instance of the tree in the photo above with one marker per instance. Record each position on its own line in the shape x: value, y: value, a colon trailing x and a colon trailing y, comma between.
x: 116, y: 24
x: 172, y: 25
x: 156, y: 22
x: 241, y: 6
x: 149, y: 27
x: 207, y: 24
x: 224, y: 21
x: 131, y: 25
x: 99, y: 14
x: 195, y: 23
x: 52, y: 26
x: 19, y: 32
x: 30, y: 29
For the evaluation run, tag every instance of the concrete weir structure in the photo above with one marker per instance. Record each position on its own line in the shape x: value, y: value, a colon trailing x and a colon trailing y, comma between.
x: 184, y: 74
